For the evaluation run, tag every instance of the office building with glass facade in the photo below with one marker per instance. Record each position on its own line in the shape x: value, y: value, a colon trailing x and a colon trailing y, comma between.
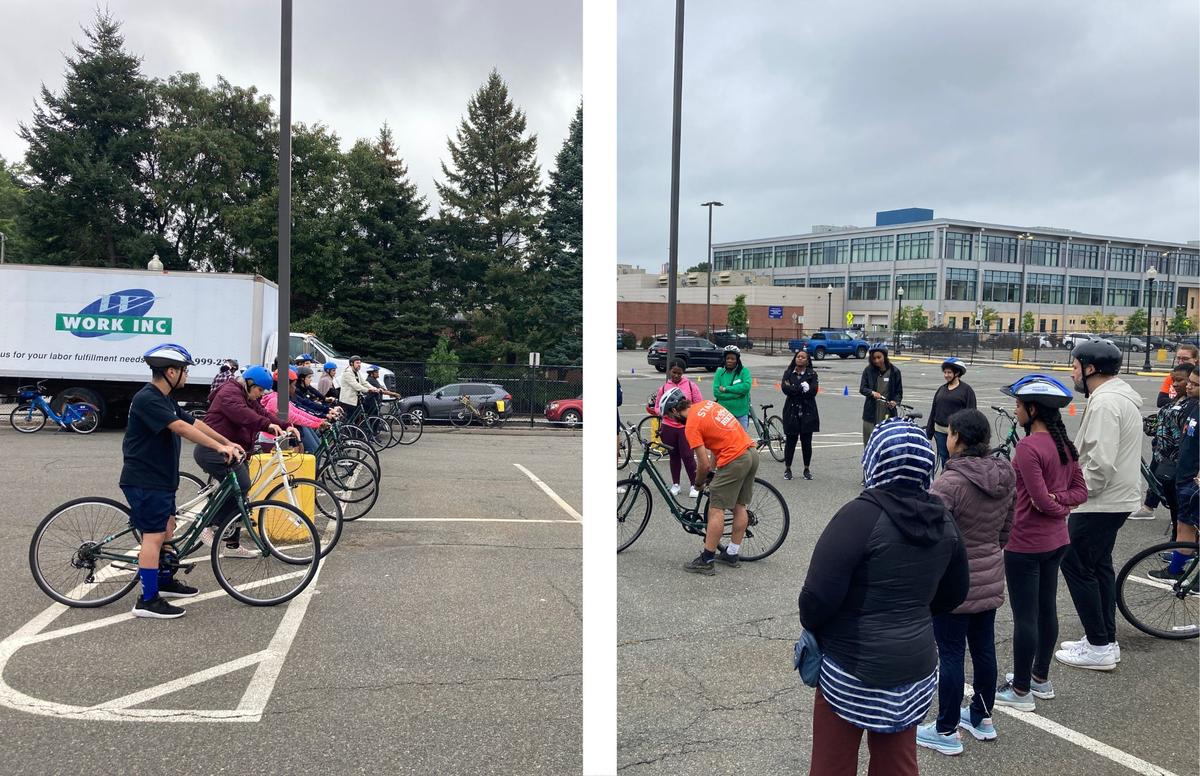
x: 955, y: 269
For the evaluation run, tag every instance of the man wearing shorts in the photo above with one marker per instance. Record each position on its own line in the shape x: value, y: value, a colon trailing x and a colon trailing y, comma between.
x: 150, y: 475
x: 717, y: 439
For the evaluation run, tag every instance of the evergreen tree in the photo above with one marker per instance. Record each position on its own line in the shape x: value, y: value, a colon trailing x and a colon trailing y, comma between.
x: 87, y: 148
x: 737, y: 316
x: 12, y: 208
x: 491, y: 202
x: 563, y: 226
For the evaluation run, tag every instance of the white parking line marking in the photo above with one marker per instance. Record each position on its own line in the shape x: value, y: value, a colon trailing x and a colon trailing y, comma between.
x: 546, y: 489
x: 149, y: 694
x: 1135, y: 764
x: 458, y: 520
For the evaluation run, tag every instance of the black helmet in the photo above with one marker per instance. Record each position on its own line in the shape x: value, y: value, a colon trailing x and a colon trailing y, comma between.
x: 304, y: 371
x: 1105, y: 356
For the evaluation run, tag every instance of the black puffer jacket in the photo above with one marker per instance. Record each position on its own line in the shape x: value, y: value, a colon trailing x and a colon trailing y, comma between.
x: 800, y: 409
x: 886, y: 562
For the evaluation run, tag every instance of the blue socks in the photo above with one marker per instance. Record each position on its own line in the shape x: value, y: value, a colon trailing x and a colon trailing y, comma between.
x: 1178, y: 559
x: 149, y: 579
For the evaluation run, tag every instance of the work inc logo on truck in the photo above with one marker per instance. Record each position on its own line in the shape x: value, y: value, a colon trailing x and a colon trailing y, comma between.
x: 116, y: 316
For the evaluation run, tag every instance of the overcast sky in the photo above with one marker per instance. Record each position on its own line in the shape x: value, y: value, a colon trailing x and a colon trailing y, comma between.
x: 1080, y: 115
x: 356, y: 63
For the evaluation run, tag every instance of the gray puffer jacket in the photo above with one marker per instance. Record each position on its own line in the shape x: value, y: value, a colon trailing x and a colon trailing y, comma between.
x: 980, y: 492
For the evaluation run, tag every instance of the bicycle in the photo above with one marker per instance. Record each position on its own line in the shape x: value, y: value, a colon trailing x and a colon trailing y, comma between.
x: 32, y: 411
x: 770, y: 432
x: 905, y: 411
x: 365, y: 427
x: 1160, y: 607
x: 85, y: 552
x: 1004, y: 419
x: 411, y: 426
x: 351, y: 468
x: 769, y: 516
x: 461, y: 417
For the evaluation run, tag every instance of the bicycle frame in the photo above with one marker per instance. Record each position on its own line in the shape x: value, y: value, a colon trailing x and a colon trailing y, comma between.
x: 71, y: 411
x: 693, y: 525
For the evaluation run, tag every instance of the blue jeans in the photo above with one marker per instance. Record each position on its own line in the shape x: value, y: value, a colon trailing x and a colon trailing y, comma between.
x: 943, y: 452
x: 745, y: 421
x: 954, y: 632
x: 308, y: 436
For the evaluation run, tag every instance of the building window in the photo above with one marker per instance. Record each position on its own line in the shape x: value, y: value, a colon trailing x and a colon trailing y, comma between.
x: 918, y: 245
x: 1001, y: 286
x: 960, y: 284
x: 966, y: 322
x: 1164, y: 292
x: 725, y: 260
x: 1187, y: 264
x: 1042, y: 253
x: 1012, y: 324
x: 958, y: 246
x: 1085, y: 256
x: 867, y: 287
x: 1044, y: 289
x: 828, y: 252
x: 791, y: 255
x: 1042, y: 325
x: 953, y: 322
x: 1054, y: 326
x: 918, y: 286
x: 999, y: 249
x: 1085, y: 290
x: 821, y: 281
x: 864, y: 249
x: 757, y: 258
x: 789, y: 282
x: 1122, y: 259
x: 1124, y: 292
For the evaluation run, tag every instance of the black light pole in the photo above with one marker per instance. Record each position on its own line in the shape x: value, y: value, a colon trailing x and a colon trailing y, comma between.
x: 1151, y: 274
x: 829, y: 308
x: 896, y: 321
x: 283, y: 335
x: 1025, y: 238
x: 673, y: 255
x: 708, y: 294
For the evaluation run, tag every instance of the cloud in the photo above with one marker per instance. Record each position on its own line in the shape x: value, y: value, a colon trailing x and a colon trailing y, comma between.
x: 356, y: 64
x: 1031, y: 112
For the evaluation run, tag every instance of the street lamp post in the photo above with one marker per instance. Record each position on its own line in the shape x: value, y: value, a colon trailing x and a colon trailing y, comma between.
x: 1151, y: 274
x: 1024, y: 239
x: 673, y: 247
x: 896, y: 319
x: 708, y: 293
x: 829, y: 307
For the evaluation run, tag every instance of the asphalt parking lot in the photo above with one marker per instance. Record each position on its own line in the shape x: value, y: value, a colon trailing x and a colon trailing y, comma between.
x: 443, y: 634
x: 705, y: 682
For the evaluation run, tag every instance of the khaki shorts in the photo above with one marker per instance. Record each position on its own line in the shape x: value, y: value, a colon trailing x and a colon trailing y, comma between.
x: 733, y: 483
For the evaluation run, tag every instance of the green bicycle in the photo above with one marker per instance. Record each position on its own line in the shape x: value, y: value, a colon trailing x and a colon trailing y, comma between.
x: 769, y: 432
x: 1162, y: 607
x: 1006, y: 429
x: 769, y: 517
x: 85, y: 552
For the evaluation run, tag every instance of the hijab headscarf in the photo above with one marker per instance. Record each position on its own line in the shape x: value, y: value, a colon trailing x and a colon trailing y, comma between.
x: 898, y: 452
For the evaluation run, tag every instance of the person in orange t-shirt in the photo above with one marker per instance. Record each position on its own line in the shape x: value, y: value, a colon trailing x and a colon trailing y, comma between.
x: 718, y: 440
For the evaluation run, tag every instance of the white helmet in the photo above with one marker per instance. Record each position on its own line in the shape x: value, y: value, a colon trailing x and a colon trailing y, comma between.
x: 734, y: 349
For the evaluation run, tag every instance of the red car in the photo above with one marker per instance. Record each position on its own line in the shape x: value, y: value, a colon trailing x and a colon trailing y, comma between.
x: 569, y: 412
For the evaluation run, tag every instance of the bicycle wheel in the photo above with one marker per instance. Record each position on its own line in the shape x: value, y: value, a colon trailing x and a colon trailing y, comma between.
x: 285, y: 548
x: 414, y: 426
x: 775, y: 437
x: 769, y: 521
x: 64, y: 554
x: 27, y: 418
x: 624, y: 449
x: 395, y: 431
x: 353, y: 483
x: 327, y: 508
x: 352, y: 432
x: 460, y: 418
x: 1001, y: 425
x: 1162, y: 608
x: 645, y: 429
x: 361, y: 451
x: 633, y: 511
x: 87, y: 422
x: 377, y: 431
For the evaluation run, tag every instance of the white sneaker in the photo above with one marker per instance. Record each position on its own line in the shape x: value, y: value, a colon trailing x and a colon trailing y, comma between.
x: 1145, y: 513
x: 1116, y: 646
x: 675, y: 489
x: 206, y: 537
x: 239, y: 552
x: 694, y: 493
x: 1086, y: 656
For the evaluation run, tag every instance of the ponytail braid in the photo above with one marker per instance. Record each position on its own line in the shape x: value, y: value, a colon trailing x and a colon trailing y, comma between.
x: 1058, y: 432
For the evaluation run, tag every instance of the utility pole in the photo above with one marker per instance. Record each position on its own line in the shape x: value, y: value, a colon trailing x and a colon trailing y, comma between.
x: 708, y: 294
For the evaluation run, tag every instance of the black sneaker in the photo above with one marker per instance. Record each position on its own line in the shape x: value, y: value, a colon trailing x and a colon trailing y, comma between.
x: 724, y: 556
x: 173, y: 588
x: 158, y: 608
x: 701, y: 566
x: 787, y: 474
x: 807, y: 474
x: 1164, y: 575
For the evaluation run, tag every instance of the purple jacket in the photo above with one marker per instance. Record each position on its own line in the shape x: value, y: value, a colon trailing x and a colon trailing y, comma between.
x: 980, y: 492
x: 232, y: 415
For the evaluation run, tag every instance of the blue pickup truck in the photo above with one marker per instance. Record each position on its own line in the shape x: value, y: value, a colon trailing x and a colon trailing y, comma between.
x: 823, y: 343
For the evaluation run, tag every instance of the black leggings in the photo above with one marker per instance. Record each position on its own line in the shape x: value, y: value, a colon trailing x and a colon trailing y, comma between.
x: 1033, y: 595
x: 789, y: 447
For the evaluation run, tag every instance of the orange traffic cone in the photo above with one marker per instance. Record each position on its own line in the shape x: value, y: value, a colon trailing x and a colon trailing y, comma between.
x: 777, y: 387
x: 1071, y: 410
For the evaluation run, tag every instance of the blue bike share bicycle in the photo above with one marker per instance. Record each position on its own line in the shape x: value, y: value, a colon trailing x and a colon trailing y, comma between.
x: 32, y: 411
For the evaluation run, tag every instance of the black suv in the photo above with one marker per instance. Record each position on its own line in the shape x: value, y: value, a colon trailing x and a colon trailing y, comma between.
x: 689, y: 352
x: 723, y: 337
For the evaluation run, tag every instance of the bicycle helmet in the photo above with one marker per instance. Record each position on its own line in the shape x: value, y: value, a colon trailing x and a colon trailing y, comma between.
x: 955, y: 363
x: 372, y: 369
x: 878, y: 346
x: 303, y: 372
x: 329, y: 365
x: 304, y: 357
x: 669, y: 401
x: 291, y: 375
x: 232, y: 364
x: 258, y: 376
x: 734, y: 349
x: 168, y: 355
x: 1042, y: 389
x: 1105, y: 356
x: 355, y: 358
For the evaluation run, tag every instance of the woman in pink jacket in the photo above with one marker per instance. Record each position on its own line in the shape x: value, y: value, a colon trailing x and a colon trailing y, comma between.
x: 671, y: 431
x: 306, y: 422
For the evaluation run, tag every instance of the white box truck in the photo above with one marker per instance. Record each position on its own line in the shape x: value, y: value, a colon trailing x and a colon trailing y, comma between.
x: 82, y: 330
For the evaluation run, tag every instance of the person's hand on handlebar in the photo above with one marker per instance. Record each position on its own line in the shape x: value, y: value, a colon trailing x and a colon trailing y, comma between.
x: 231, y: 453
x: 275, y: 429
x: 891, y: 405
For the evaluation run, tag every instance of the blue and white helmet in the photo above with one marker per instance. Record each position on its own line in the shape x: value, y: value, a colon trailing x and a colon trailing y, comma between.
x: 1039, y: 388
x: 669, y: 401
x: 168, y: 355
x: 957, y: 364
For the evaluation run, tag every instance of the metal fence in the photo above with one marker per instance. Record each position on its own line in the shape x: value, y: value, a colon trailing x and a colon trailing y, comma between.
x: 532, y: 388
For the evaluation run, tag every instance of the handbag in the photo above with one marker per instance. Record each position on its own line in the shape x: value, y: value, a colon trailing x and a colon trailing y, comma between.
x: 807, y: 659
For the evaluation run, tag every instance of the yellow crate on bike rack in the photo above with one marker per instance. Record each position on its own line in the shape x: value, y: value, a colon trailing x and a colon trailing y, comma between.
x: 279, y: 524
x: 500, y: 405
x: 655, y: 437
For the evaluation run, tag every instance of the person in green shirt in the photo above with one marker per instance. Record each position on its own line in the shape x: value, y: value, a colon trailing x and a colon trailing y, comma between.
x: 731, y: 386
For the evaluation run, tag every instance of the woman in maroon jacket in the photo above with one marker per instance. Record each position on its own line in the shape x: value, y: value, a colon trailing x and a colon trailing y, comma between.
x: 977, y: 488
x: 1049, y: 485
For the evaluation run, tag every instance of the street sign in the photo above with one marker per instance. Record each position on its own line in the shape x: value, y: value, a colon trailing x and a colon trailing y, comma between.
x: 849, y: 319
x: 775, y: 312
x: 535, y: 359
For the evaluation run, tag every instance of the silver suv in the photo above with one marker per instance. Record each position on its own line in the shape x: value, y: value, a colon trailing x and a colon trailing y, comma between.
x: 439, y: 404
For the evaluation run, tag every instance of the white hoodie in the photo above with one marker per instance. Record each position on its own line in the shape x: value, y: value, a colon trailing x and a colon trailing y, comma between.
x: 1110, y: 448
